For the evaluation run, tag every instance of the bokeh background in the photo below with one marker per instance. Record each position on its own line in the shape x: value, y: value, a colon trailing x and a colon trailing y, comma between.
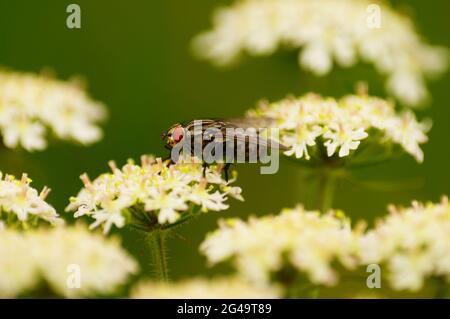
x: 136, y: 58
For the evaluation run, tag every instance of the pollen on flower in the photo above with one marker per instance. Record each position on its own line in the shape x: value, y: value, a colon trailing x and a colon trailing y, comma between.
x: 340, y: 125
x: 310, y: 242
x: 259, y: 27
x: 152, y: 195
x: 31, y: 105
x: 22, y: 205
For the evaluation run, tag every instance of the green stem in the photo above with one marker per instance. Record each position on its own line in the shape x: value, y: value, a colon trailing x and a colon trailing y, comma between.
x: 159, y: 255
x: 326, y: 191
x: 178, y: 222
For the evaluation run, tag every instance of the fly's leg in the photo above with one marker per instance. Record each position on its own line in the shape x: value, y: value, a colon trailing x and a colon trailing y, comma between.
x: 204, y: 165
x: 168, y: 158
x: 225, y: 169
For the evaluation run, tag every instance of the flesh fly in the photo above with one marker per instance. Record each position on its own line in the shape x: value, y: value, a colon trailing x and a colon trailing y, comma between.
x: 225, y: 141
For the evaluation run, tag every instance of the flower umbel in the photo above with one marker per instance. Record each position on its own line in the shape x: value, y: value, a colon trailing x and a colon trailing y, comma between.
x: 341, y: 125
x: 327, y: 30
x: 32, y: 104
x: 310, y: 242
x: 28, y: 258
x: 17, y: 271
x: 414, y: 244
x: 153, y: 195
x: 21, y: 205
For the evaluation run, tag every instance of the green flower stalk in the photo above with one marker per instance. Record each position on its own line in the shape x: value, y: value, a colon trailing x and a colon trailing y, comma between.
x: 158, y: 247
x: 152, y: 197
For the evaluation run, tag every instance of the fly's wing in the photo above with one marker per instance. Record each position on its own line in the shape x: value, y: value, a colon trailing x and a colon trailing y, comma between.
x: 245, y: 130
x: 250, y: 130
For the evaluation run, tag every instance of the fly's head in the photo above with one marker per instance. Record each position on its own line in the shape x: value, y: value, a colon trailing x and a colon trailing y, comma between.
x: 173, y: 135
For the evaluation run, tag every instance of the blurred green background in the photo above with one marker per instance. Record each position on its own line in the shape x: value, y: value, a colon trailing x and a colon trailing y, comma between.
x: 136, y: 58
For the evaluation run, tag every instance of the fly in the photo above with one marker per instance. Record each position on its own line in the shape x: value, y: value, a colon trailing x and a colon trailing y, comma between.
x: 237, y: 140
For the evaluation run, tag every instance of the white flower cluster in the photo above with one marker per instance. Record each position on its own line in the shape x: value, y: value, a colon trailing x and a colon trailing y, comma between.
x: 342, y: 124
x: 17, y: 271
x: 155, y: 188
x: 201, y: 288
x: 21, y: 202
x: 414, y: 244
x: 309, y: 241
x: 30, y: 104
x: 328, y: 30
x: 28, y: 258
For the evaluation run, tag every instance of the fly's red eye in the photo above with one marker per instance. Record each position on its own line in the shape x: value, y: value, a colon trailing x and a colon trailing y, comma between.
x: 177, y: 134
